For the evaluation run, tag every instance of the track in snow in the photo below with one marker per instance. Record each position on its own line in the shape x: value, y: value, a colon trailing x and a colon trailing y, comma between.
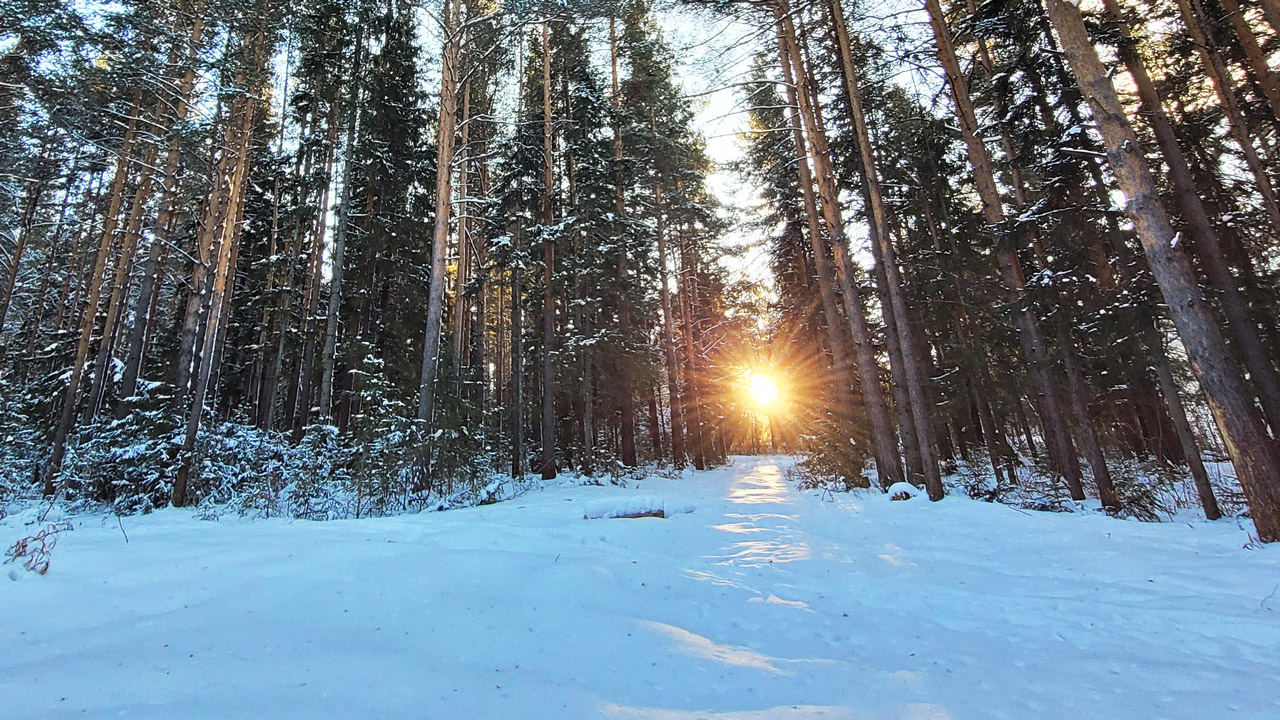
x: 765, y: 602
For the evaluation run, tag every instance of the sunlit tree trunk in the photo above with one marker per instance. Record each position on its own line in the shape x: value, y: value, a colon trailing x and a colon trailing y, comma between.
x: 693, y: 411
x: 1216, y: 68
x: 669, y: 339
x: 836, y: 335
x: 1254, y: 57
x: 463, y: 273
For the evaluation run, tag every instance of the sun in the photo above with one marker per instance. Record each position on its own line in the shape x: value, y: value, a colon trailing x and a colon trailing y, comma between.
x: 762, y: 388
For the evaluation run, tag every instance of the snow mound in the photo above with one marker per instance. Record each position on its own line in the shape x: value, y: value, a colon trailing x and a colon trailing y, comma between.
x: 903, y: 491
x: 634, y: 506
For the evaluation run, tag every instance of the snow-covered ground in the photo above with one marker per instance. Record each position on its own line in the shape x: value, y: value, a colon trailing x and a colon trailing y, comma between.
x: 764, y: 602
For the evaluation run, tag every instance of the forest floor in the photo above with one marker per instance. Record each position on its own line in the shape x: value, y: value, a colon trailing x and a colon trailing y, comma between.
x: 763, y: 602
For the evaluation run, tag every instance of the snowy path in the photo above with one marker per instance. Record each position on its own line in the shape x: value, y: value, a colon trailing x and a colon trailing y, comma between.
x: 764, y: 603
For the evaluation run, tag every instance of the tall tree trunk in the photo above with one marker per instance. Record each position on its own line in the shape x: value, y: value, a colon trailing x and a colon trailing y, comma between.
x: 33, y: 191
x: 120, y: 281
x: 882, y: 432
x: 626, y: 384
x: 333, y: 315
x: 271, y: 381
x: 698, y: 431
x: 836, y: 335
x: 305, y: 383
x: 1178, y: 414
x: 916, y: 382
x: 669, y: 338
x: 223, y: 216
x: 1271, y: 11
x: 35, y: 317
x: 549, y: 262
x: 451, y: 12
x: 1255, y: 455
x: 196, y: 305
x: 516, y: 404
x: 144, y: 305
x: 1254, y: 57
x: 912, y: 460
x: 479, y: 325
x: 463, y: 273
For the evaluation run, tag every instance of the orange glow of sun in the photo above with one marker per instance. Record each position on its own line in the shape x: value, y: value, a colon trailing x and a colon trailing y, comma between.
x: 762, y: 389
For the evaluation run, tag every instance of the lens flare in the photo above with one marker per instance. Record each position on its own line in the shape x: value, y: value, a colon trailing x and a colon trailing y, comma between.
x: 762, y: 388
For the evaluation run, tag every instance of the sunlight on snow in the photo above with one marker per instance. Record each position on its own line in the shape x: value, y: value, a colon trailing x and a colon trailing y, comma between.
x: 775, y: 600
x: 739, y: 528
x: 893, y: 556
x: 705, y: 648
x: 764, y: 486
x: 718, y: 580
x: 763, y: 552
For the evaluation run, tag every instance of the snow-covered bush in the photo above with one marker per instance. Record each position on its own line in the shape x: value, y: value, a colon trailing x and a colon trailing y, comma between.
x: 125, y: 463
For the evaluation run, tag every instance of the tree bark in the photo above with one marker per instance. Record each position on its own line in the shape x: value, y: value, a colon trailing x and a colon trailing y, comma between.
x: 698, y: 432
x: 120, y: 280
x: 463, y: 273
x: 626, y: 385
x: 33, y: 191
x: 669, y: 339
x: 305, y: 383
x: 549, y: 261
x: 451, y: 12
x: 151, y: 268
x: 1254, y: 57
x: 333, y: 315
x: 224, y: 212
x: 837, y: 337
x: 1178, y: 414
